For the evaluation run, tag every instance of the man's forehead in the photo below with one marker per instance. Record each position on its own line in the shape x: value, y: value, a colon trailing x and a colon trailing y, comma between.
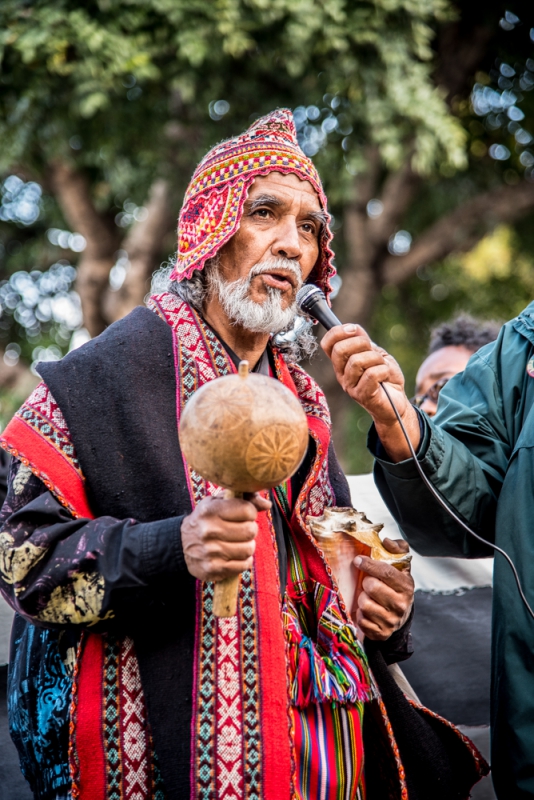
x: 286, y: 187
x: 445, y: 361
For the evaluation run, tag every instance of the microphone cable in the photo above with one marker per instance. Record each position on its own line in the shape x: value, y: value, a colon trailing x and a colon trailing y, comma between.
x: 312, y: 301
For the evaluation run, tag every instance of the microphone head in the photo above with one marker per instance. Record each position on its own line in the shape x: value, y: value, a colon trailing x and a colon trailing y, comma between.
x: 307, y: 296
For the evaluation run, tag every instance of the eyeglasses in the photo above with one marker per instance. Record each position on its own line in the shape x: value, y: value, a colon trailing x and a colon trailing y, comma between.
x: 432, y: 394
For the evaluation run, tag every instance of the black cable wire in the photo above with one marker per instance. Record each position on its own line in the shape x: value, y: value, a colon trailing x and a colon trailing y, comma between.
x: 449, y: 510
x: 312, y: 301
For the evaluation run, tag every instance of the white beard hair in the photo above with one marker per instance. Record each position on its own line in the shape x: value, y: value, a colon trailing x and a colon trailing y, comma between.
x: 267, y: 317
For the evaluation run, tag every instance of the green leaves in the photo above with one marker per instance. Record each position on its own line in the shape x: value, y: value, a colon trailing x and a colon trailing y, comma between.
x: 375, y: 52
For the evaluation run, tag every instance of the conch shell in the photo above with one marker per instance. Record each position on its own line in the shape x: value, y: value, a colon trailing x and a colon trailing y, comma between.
x: 343, y: 534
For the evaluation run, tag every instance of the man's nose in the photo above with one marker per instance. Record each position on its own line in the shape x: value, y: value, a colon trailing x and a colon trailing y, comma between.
x: 287, y: 242
x: 429, y: 407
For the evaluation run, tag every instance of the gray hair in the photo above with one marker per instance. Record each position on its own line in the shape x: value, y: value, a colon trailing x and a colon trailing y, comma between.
x: 295, y: 344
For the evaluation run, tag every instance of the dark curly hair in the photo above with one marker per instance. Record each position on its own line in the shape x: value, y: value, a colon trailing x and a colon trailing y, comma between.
x: 463, y: 331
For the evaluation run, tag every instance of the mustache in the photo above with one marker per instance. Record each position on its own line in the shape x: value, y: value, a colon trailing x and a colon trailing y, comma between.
x: 276, y: 262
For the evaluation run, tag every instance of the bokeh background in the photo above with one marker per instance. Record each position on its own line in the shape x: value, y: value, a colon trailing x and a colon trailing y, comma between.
x: 418, y: 113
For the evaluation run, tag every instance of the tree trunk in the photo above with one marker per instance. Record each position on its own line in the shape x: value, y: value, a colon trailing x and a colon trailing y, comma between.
x: 366, y: 240
x: 102, y: 238
x: 143, y: 245
x: 100, y: 305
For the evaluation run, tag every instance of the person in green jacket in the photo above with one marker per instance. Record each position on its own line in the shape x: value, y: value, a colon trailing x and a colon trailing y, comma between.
x: 478, y: 451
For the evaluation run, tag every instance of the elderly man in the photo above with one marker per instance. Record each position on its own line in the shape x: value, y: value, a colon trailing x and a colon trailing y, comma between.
x: 478, y: 453
x: 122, y: 683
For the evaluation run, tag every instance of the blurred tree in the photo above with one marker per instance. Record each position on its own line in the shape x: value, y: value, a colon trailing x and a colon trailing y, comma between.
x: 494, y: 280
x: 400, y: 220
x: 108, y: 105
x: 107, y: 101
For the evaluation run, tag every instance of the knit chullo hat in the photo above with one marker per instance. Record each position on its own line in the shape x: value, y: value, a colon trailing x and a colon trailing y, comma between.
x: 213, y: 203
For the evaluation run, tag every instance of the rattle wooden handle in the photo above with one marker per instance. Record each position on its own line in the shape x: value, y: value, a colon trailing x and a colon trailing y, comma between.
x: 226, y: 592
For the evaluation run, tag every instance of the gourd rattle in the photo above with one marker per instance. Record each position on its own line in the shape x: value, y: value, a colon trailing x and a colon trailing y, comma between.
x: 246, y: 433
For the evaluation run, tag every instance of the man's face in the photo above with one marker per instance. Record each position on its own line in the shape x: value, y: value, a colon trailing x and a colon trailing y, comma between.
x: 439, y: 366
x: 281, y: 219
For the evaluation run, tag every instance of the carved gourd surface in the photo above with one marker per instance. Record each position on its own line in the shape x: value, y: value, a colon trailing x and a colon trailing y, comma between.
x: 226, y: 409
x: 273, y: 454
x: 244, y: 433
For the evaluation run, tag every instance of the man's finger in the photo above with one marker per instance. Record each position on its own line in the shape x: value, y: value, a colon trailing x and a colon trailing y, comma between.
x: 396, y: 545
x: 232, y: 509
x: 376, y: 612
x: 236, y: 532
x: 259, y: 502
x: 371, y: 629
x: 226, y: 569
x: 387, y: 598
x: 230, y: 551
x: 399, y: 581
x: 354, y: 346
x: 358, y: 363
x: 339, y: 334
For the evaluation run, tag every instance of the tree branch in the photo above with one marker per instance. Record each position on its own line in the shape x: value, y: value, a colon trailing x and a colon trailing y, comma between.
x: 397, y: 194
x: 72, y: 192
x: 143, y: 245
x: 461, y: 229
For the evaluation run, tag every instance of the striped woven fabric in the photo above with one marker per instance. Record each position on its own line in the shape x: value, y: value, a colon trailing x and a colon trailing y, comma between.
x: 329, y: 684
x: 328, y: 752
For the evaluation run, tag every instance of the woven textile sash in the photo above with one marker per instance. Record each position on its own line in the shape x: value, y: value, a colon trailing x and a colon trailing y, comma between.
x: 242, y: 727
x: 329, y: 685
x: 110, y: 754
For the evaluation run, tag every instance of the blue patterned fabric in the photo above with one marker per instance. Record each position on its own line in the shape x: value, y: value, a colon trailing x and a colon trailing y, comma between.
x: 39, y: 679
x: 39, y: 689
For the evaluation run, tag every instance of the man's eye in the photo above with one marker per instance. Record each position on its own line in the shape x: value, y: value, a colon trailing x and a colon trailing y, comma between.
x: 263, y: 213
x: 308, y: 227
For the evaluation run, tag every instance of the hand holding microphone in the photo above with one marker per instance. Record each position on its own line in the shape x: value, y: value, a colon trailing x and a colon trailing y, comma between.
x: 374, y: 379
x: 361, y: 368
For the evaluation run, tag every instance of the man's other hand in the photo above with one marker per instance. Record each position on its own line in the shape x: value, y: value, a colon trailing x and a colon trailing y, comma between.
x: 360, y: 367
x: 218, y: 537
x: 386, y: 599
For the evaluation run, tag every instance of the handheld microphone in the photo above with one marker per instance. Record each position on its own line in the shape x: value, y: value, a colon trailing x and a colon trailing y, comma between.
x: 312, y: 301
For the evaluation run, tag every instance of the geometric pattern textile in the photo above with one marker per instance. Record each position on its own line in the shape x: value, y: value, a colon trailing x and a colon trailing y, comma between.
x: 231, y: 732
x: 213, y: 203
x: 242, y: 733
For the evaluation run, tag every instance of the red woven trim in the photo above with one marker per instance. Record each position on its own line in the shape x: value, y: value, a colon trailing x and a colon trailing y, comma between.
x: 317, y: 566
x: 323, y: 269
x: 394, y: 748
x: 35, y: 452
x: 89, y: 723
x: 74, y: 765
x: 276, y: 750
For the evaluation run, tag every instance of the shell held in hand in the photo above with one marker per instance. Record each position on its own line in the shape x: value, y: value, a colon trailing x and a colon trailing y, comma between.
x: 337, y: 523
x: 245, y: 432
x: 344, y: 533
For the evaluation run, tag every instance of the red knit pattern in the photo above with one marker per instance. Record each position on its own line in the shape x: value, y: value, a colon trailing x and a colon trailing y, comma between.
x: 213, y: 203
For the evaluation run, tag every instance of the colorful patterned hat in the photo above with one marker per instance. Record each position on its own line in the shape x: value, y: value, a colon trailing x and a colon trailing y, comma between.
x: 214, y: 200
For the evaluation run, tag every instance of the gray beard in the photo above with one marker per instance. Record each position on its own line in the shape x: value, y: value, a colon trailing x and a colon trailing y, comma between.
x: 267, y: 317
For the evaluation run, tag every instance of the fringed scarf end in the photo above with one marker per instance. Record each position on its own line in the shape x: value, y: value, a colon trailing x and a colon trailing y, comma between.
x: 333, y: 668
